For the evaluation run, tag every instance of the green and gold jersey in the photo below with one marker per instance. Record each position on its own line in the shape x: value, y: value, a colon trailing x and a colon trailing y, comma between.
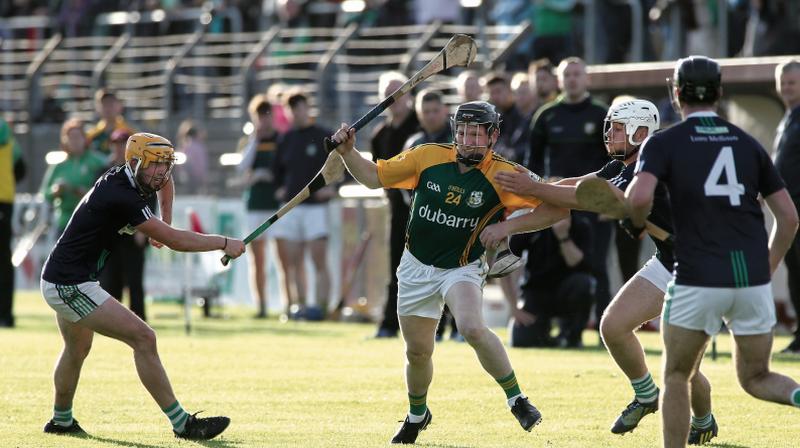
x: 450, y: 208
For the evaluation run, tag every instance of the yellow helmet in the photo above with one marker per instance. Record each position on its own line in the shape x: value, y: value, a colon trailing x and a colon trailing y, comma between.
x: 145, y: 149
x: 148, y: 148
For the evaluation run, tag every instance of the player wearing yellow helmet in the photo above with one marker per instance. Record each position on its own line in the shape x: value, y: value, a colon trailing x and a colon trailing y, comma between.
x: 114, y: 206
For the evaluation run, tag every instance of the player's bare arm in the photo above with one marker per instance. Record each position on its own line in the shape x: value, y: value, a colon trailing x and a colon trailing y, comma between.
x: 539, y: 218
x: 186, y: 241
x: 639, y: 197
x: 364, y: 171
x: 782, y: 208
x: 166, y: 196
x: 561, y: 193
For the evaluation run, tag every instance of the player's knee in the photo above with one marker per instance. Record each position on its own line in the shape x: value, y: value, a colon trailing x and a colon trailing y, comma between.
x: 472, y: 333
x: 609, y: 328
x: 676, y: 376
x: 80, y: 350
x: 145, y: 340
x: 418, y: 356
x: 750, y: 379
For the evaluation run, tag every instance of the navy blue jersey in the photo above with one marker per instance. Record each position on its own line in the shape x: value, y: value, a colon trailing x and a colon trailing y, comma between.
x: 714, y: 172
x: 660, y: 215
x: 300, y: 155
x: 110, y: 210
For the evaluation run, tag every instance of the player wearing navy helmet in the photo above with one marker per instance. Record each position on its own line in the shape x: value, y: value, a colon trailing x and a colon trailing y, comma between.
x: 455, y: 215
x: 714, y: 172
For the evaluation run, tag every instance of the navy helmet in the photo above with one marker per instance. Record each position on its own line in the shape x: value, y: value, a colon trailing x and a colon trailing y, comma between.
x: 475, y: 113
x: 698, y: 80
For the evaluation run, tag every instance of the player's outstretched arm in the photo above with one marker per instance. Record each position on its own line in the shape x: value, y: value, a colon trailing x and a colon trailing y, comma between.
x: 560, y: 194
x: 364, y: 171
x: 539, y: 218
x: 186, y: 241
x: 782, y: 208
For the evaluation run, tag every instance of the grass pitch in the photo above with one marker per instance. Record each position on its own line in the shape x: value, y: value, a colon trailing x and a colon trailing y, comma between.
x: 330, y: 385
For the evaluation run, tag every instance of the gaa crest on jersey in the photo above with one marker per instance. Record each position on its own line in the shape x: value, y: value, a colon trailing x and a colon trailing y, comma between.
x: 589, y: 127
x: 475, y: 199
x: 311, y: 149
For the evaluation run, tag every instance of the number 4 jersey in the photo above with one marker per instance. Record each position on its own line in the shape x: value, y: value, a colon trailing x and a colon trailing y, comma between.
x: 450, y: 208
x: 714, y: 172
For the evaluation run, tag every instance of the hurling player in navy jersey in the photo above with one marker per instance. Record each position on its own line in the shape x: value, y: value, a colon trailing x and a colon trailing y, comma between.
x: 724, y: 260
x: 628, y: 123
x: 117, y: 205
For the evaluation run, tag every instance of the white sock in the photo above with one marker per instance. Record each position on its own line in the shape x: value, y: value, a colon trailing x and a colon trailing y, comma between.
x: 513, y: 399
x: 416, y: 418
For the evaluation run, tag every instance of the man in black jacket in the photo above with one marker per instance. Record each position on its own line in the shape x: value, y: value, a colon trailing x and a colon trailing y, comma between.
x: 787, y: 161
x: 557, y: 282
x: 387, y: 141
x: 567, y: 141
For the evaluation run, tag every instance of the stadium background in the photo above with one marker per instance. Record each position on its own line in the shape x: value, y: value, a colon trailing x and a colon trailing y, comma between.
x: 173, y: 60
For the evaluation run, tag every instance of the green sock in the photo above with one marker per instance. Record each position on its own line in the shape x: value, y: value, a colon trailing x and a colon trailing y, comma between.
x: 645, y: 389
x: 509, y: 385
x: 62, y: 416
x: 177, y: 416
x: 796, y: 397
x: 701, y: 422
x: 417, y: 404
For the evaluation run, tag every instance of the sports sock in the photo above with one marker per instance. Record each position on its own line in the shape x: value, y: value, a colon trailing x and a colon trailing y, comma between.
x: 645, y: 389
x: 416, y: 407
x: 510, y: 385
x: 701, y: 422
x: 62, y: 416
x: 177, y: 416
x: 795, y: 398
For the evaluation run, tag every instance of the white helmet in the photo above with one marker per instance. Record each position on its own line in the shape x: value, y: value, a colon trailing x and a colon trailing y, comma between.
x: 632, y: 114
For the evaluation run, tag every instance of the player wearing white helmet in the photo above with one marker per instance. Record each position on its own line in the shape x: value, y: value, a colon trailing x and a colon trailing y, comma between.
x: 627, y: 125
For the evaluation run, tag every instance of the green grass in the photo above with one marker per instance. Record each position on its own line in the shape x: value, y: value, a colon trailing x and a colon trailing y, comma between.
x: 329, y: 385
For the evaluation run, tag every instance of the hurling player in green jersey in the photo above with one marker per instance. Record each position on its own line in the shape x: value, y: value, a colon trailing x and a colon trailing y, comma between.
x: 456, y: 214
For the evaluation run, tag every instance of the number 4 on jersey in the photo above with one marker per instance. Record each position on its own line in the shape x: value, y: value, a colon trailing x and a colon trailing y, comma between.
x: 713, y: 186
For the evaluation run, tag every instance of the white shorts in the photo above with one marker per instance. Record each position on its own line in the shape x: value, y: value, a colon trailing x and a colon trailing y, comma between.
x: 257, y: 217
x: 746, y: 311
x: 74, y: 302
x: 654, y: 272
x: 422, y: 288
x: 306, y: 222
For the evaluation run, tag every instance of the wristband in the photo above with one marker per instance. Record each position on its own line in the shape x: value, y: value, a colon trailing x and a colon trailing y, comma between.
x: 564, y: 240
x: 226, y: 243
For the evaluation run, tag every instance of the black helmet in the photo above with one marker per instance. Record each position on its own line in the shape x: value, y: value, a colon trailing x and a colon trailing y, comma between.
x: 698, y: 79
x: 478, y: 113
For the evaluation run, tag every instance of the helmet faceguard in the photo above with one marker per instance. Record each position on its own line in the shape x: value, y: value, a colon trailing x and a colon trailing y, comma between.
x: 469, y: 119
x: 155, y: 158
x: 633, y: 115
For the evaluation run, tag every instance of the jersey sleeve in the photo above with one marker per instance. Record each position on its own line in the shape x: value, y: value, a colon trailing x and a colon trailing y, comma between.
x: 611, y: 169
x: 134, y: 208
x: 769, y: 181
x: 402, y: 170
x: 512, y: 201
x: 653, y: 159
